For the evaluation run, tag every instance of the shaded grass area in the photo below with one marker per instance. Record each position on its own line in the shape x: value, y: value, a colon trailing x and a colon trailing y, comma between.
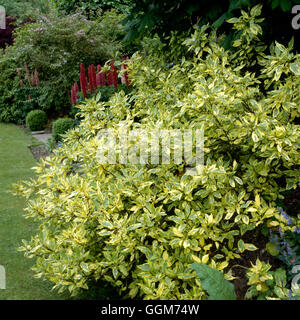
x: 16, y: 162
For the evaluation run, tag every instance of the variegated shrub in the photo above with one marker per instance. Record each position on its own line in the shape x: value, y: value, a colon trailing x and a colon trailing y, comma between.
x: 140, y: 227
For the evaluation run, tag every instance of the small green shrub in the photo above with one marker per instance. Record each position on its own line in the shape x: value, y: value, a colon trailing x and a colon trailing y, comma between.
x: 36, y: 120
x: 60, y: 127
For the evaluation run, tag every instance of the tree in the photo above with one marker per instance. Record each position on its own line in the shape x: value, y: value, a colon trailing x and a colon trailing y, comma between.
x: 163, y: 17
x: 91, y: 7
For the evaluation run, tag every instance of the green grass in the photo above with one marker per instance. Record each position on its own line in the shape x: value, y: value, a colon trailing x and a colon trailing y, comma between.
x: 16, y: 162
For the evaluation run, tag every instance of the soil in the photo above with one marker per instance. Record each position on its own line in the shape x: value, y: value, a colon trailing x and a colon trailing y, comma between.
x: 292, y: 202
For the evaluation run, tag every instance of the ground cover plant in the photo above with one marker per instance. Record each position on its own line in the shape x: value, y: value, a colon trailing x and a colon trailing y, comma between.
x: 140, y: 228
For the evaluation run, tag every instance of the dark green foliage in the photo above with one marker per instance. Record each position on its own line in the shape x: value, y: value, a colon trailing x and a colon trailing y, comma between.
x: 285, y: 5
x: 163, y: 17
x: 22, y: 9
x: 36, y: 120
x: 99, y: 290
x: 60, y: 127
x: 26, y: 100
x: 214, y: 283
x: 92, y: 7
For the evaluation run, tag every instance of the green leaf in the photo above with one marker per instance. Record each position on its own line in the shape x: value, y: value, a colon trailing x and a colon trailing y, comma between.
x: 295, y: 68
x: 107, y: 224
x: 254, y: 137
x: 265, y: 230
x: 144, y: 267
x: 241, y: 245
x: 245, y: 219
x: 231, y: 182
x: 272, y: 249
x: 285, y: 5
x: 238, y: 180
x: 135, y: 226
x: 214, y: 283
x: 84, y: 267
x: 250, y: 247
x: 275, y: 4
x: 115, y: 272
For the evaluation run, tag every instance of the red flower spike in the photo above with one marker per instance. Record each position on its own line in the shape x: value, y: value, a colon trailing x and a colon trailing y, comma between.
x: 102, y: 79
x: 98, y: 80
x: 100, y: 76
x: 93, y: 77
x: 72, y: 96
x: 36, y: 78
x: 76, y: 87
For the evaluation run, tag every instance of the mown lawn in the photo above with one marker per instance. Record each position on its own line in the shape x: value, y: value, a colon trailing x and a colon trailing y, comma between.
x: 16, y: 162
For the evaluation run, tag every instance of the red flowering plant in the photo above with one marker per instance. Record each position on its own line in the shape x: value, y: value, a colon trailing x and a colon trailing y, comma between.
x: 105, y: 79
